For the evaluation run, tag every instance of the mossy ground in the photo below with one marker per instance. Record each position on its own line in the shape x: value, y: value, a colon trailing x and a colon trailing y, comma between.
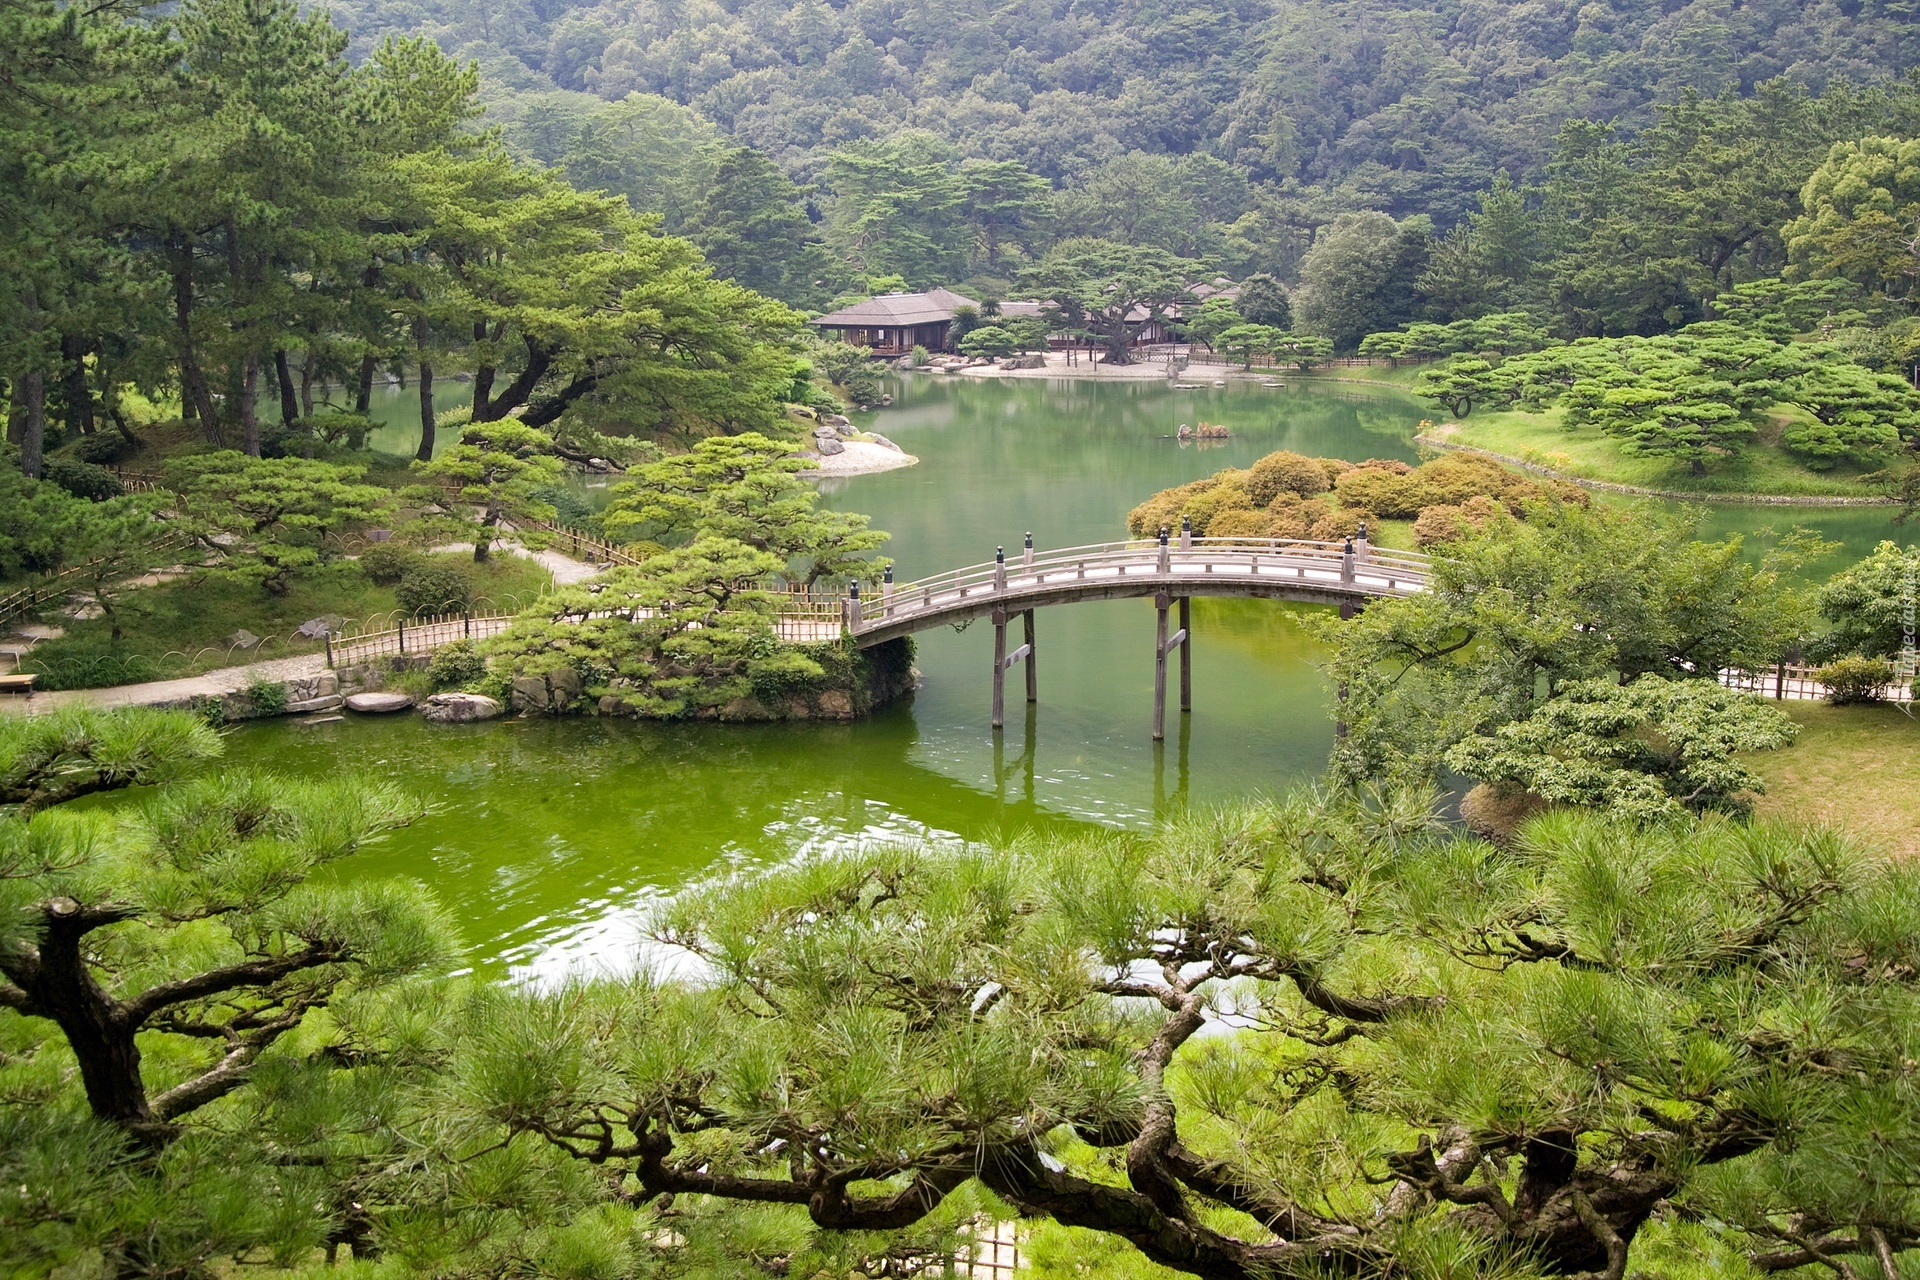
x: 182, y: 627
x: 1857, y: 768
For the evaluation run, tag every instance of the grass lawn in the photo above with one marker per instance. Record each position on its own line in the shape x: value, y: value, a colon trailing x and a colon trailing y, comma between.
x: 1763, y: 467
x: 182, y: 627
x: 1366, y: 374
x: 1857, y: 768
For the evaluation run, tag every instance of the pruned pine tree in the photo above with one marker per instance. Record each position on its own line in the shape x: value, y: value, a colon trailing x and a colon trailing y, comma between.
x: 496, y: 475
x: 209, y: 1044
x: 1303, y: 1039
x: 173, y: 946
x: 746, y: 489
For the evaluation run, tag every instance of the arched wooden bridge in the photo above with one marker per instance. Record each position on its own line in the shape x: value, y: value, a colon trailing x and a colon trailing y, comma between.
x: 1172, y: 571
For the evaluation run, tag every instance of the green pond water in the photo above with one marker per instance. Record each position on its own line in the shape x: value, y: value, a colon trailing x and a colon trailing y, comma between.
x: 553, y: 837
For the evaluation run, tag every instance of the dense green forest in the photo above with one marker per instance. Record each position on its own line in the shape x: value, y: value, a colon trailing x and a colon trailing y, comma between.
x: 1230, y: 129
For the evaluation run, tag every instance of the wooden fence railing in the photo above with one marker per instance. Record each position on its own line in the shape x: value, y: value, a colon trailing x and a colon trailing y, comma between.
x: 585, y: 546
x: 1791, y: 682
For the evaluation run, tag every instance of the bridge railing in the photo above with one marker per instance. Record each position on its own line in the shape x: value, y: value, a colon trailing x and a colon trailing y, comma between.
x: 1139, y: 558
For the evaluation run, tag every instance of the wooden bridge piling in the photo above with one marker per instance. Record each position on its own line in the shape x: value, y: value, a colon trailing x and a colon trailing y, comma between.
x: 1163, y: 645
x: 1186, y: 655
x: 1003, y: 660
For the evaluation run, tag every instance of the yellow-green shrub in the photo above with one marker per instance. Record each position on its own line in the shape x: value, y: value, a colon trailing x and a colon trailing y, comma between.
x: 1285, y: 472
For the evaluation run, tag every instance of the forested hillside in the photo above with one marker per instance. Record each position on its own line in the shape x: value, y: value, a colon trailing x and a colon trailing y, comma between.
x: 1404, y: 105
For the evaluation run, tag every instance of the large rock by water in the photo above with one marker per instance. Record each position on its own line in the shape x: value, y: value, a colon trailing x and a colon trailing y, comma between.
x: 555, y: 691
x: 302, y: 706
x: 378, y: 703
x: 459, y: 708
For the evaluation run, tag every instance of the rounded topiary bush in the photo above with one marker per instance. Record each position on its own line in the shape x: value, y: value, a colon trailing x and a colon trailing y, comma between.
x: 82, y: 479
x: 434, y: 586
x: 386, y: 562
x: 1396, y: 495
x: 1855, y: 680
x: 1343, y: 523
x: 1285, y: 472
x: 1240, y: 524
x: 1164, y: 507
x: 1205, y: 508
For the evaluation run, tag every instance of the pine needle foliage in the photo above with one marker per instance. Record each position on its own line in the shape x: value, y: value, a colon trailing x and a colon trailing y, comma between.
x: 1307, y: 1038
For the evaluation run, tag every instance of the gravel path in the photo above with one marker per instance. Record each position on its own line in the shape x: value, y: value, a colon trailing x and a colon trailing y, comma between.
x: 152, y: 693
x: 158, y: 693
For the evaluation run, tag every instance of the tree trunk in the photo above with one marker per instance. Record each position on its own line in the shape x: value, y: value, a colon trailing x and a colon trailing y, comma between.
x: 422, y: 337
x: 363, y: 397
x: 103, y: 1046
x: 193, y: 380
x: 425, y: 452
x: 73, y: 372
x: 33, y: 430
x: 517, y: 391
x: 306, y: 383
x: 289, y: 401
x: 482, y: 376
x: 249, y: 389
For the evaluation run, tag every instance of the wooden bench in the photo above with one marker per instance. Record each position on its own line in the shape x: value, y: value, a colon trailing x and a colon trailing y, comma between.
x: 23, y: 682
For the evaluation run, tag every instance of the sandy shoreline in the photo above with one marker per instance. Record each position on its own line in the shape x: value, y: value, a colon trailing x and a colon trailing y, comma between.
x: 861, y: 458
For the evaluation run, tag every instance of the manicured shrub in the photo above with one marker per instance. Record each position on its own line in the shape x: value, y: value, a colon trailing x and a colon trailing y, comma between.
x: 103, y: 447
x: 387, y: 562
x: 1240, y: 524
x: 82, y: 479
x: 1443, y: 522
x: 434, y: 586
x: 1855, y: 680
x: 1343, y: 523
x: 1457, y: 477
x: 1291, y: 516
x: 1334, y: 467
x: 1163, y: 508
x: 1203, y: 508
x: 1397, y: 495
x: 1285, y: 472
x: 456, y: 666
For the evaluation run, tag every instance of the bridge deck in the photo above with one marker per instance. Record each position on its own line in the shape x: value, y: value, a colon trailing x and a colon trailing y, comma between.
x: 1311, y: 572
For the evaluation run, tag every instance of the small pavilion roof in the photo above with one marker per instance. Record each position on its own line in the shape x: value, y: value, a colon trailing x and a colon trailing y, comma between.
x: 898, y: 310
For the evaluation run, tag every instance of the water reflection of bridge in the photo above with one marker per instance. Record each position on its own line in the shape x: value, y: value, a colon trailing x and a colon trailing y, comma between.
x: 1171, y: 571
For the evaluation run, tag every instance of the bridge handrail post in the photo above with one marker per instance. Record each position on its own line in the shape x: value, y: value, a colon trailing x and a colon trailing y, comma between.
x: 1346, y: 563
x: 1026, y: 555
x: 1166, y: 559
x: 850, y: 612
x: 1186, y: 533
x: 886, y: 592
x: 999, y: 569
